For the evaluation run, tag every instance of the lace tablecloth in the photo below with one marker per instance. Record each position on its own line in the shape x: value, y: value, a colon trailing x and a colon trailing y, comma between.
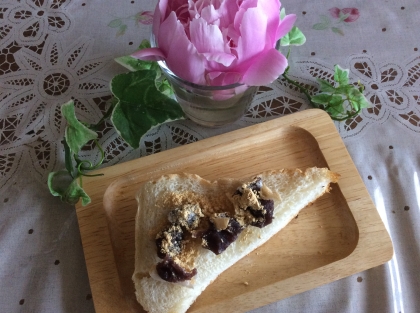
x: 56, y: 50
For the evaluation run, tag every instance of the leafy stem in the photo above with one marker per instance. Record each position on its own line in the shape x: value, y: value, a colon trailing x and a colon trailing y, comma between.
x: 341, y: 100
x: 300, y: 87
x: 67, y: 184
x: 141, y: 100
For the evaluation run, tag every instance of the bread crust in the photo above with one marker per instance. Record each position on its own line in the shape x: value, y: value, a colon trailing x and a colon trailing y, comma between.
x: 155, y: 198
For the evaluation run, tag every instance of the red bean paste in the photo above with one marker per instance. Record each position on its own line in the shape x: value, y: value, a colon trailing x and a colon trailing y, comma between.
x: 217, y: 231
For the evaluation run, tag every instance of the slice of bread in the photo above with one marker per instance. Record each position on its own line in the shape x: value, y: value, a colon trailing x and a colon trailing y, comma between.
x: 157, y: 198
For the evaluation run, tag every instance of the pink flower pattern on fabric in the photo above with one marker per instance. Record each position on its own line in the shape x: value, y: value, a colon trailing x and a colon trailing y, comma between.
x: 121, y: 23
x: 340, y: 17
x: 353, y: 14
x: 145, y: 17
x: 218, y: 42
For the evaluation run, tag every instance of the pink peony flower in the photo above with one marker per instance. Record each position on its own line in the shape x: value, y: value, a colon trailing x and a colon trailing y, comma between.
x: 353, y: 13
x: 220, y: 42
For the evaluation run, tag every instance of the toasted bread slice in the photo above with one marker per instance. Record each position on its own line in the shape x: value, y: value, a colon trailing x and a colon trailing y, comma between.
x: 157, y: 198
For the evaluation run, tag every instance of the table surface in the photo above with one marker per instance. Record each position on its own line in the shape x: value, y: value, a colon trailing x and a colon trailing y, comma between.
x: 56, y: 50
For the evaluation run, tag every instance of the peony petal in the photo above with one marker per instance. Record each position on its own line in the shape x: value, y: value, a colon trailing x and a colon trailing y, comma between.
x: 176, y: 5
x: 223, y: 78
x: 245, y: 5
x: 182, y: 57
x: 162, y: 6
x: 206, y: 37
x: 271, y: 9
x: 156, y: 20
x: 149, y: 54
x: 167, y: 30
x: 285, y: 26
x: 180, y: 7
x: 210, y: 14
x: 231, y: 36
x: 227, y: 12
x: 197, y: 6
x: 265, y: 68
x: 209, y: 40
x: 192, y: 8
x: 253, y: 34
x: 225, y: 59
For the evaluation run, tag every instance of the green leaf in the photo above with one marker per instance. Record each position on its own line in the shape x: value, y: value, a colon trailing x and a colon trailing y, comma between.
x: 164, y: 87
x: 335, y: 107
x: 336, y: 102
x: 76, y: 134
x: 320, y: 26
x: 293, y: 38
x: 62, y: 185
x: 322, y: 98
x: 58, y: 182
x: 115, y: 23
x: 121, y: 30
x: 361, y: 87
x: 343, y: 89
x: 141, y: 106
x: 133, y: 64
x: 161, y: 82
x: 325, y: 86
x: 282, y: 13
x: 341, y: 76
x: 337, y: 31
x: 144, y: 44
x: 364, y: 103
x: 358, y: 100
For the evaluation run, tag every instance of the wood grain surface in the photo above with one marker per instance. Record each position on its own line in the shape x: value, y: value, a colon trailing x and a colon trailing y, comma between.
x: 339, y: 235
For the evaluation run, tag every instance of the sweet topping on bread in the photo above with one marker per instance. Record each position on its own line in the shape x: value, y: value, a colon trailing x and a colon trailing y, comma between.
x: 218, y: 241
x: 220, y: 230
x: 254, y: 203
x: 169, y: 241
x: 220, y: 220
x: 187, y: 216
x: 180, y: 251
x: 172, y: 272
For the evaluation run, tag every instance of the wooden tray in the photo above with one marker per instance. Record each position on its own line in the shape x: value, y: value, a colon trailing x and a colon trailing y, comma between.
x: 341, y: 234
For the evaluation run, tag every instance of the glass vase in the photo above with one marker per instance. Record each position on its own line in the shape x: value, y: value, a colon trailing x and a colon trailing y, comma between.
x: 210, y: 106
